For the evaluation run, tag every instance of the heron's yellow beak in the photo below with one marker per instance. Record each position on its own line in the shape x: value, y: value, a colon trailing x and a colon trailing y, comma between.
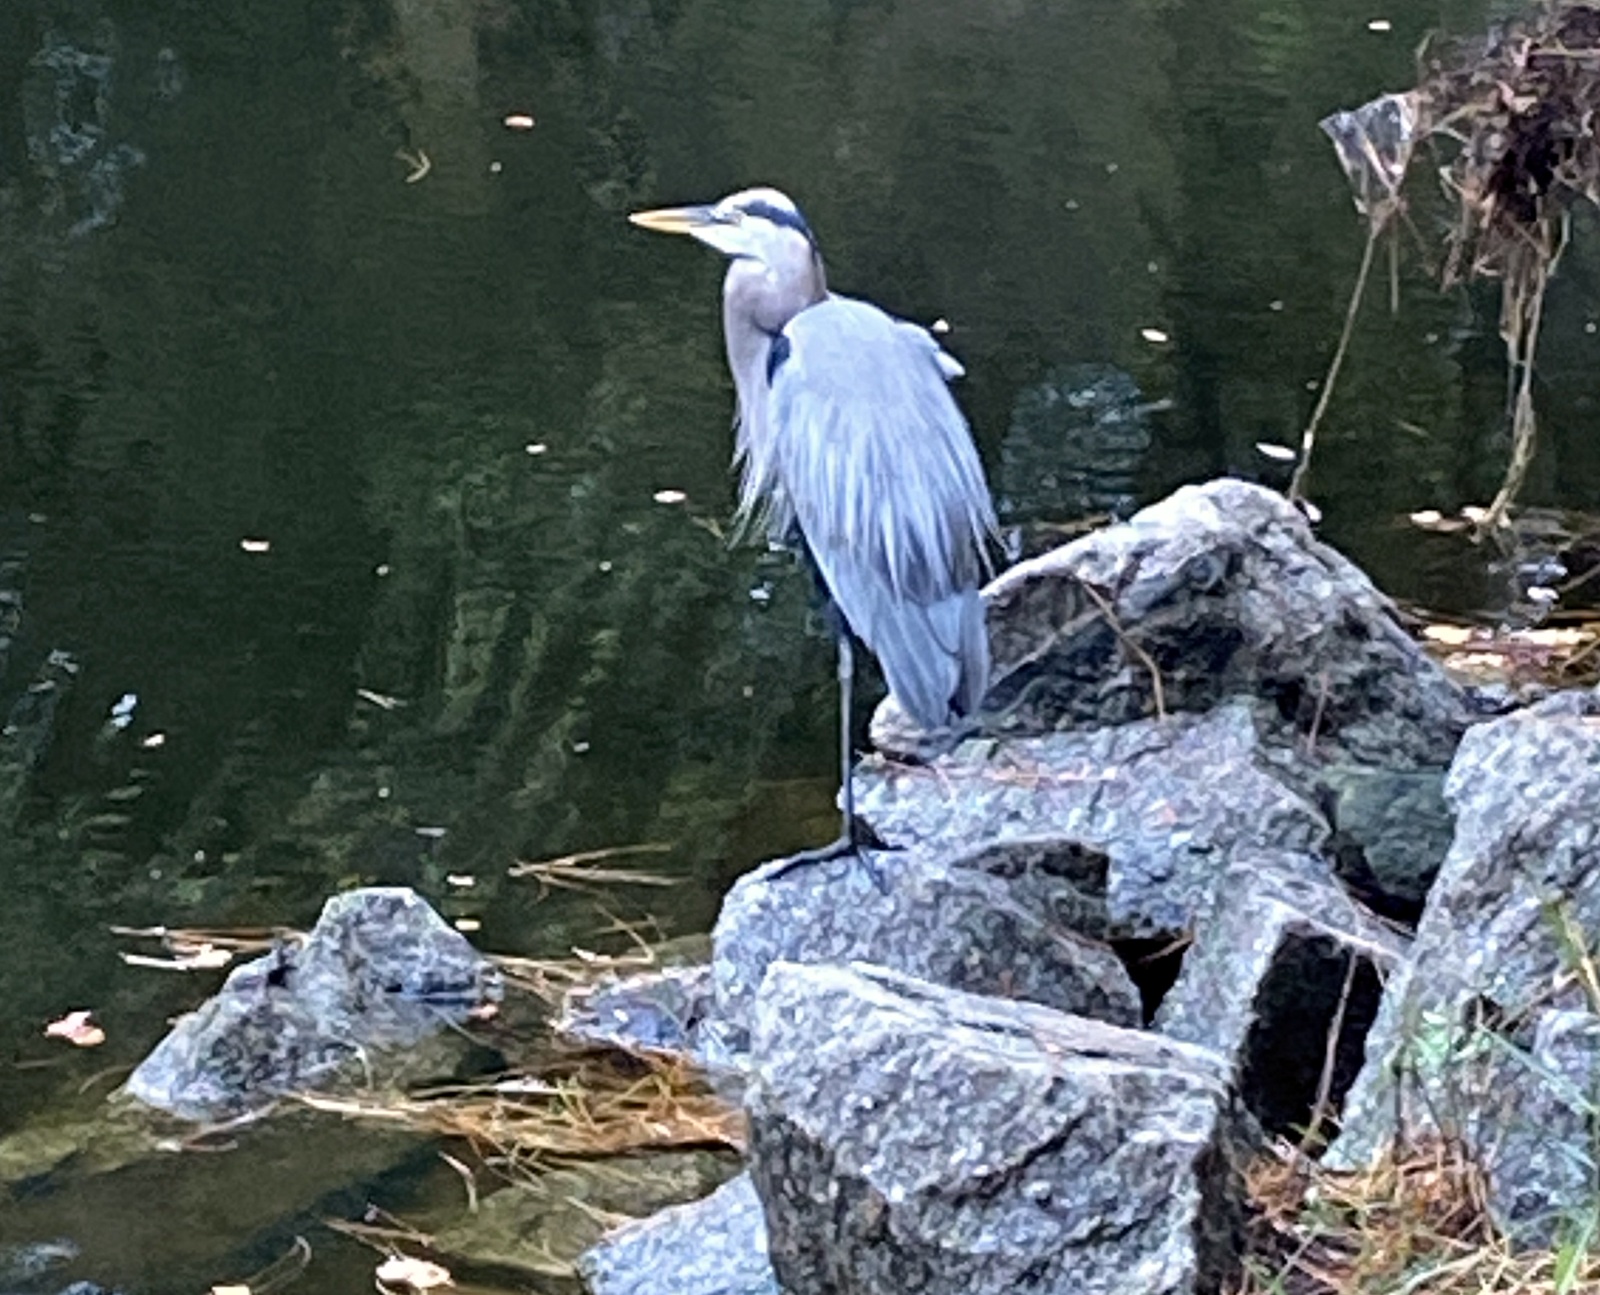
x: 674, y: 220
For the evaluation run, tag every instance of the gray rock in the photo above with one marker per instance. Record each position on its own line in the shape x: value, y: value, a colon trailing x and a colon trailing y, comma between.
x: 1504, y: 941
x: 1278, y: 965
x: 714, y: 1246
x: 379, y: 970
x: 1222, y: 588
x: 905, y: 1137
x: 951, y: 925
x: 1537, y: 1142
x: 1392, y: 828
x: 1144, y: 794
x: 671, y: 1012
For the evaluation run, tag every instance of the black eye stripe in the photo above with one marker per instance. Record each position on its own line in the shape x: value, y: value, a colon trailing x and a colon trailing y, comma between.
x: 784, y: 216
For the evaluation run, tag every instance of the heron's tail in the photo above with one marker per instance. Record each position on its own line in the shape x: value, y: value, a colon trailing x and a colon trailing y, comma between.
x: 935, y: 657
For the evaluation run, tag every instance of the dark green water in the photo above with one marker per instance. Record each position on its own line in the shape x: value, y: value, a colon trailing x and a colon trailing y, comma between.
x: 225, y: 315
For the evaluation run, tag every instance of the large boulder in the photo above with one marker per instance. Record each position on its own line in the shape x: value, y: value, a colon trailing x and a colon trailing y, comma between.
x: 906, y: 1137
x: 380, y: 970
x: 1166, y: 803
x: 1219, y: 590
x: 913, y: 912
x: 1283, y: 978
x: 1486, y: 1029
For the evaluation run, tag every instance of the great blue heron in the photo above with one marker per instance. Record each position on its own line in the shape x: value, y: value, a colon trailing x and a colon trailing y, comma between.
x: 848, y: 439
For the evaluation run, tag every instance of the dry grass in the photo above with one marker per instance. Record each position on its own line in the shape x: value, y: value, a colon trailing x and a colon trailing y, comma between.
x: 581, y: 1104
x: 1414, y: 1224
x: 589, y: 871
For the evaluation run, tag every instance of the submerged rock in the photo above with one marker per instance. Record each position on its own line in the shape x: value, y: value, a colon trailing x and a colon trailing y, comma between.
x: 908, y: 1137
x: 1222, y: 591
x: 1477, y: 1037
x: 1148, y: 795
x: 541, y: 1224
x: 379, y: 970
x: 912, y: 912
x: 714, y: 1246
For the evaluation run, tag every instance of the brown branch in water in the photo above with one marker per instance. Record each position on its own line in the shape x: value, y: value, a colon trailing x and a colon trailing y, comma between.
x: 1308, y: 438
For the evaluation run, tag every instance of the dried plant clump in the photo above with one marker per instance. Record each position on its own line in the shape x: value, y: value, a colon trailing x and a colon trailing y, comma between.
x: 1513, y: 116
x: 1416, y: 1223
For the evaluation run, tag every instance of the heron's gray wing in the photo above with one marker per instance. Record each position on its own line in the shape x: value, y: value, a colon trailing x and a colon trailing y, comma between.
x: 877, y: 463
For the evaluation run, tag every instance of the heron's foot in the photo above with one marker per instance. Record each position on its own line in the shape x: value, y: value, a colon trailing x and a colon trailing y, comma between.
x: 856, y: 842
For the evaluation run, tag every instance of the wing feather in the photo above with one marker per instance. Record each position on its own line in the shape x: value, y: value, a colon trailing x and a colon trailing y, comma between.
x: 867, y: 448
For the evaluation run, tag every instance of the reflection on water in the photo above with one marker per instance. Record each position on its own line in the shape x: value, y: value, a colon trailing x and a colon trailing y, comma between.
x: 283, y: 276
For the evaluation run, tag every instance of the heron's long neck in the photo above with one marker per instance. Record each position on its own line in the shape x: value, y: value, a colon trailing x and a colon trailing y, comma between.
x: 757, y: 301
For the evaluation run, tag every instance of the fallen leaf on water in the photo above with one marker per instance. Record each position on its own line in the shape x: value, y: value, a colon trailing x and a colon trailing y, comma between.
x: 418, y: 1274
x: 78, y: 1029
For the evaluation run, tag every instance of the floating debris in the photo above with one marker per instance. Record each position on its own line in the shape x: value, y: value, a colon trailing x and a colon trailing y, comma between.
x: 1277, y: 453
x: 669, y: 496
x: 250, y: 545
x: 414, y: 1274
x: 535, y: 448
x: 77, y: 1028
x: 519, y: 121
x: 1155, y: 336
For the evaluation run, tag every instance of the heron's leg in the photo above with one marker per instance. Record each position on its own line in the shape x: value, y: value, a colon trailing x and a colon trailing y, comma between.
x: 846, y: 842
x: 847, y: 791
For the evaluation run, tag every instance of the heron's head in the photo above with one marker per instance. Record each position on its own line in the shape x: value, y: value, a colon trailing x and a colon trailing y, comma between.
x: 756, y: 224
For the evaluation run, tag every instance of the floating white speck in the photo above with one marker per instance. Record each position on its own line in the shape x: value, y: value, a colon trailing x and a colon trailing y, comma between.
x: 463, y: 880
x: 1312, y: 513
x: 1071, y: 204
x: 748, y: 690
x: 384, y: 793
x: 580, y: 748
x: 535, y: 447
x: 1380, y: 24
x: 153, y: 741
x: 669, y: 496
x: 605, y: 566
x: 1590, y: 327
x: 431, y: 833
x: 940, y: 326
x: 255, y: 546
x: 1112, y: 168
x: 124, y: 706
x: 468, y: 924
x: 1275, y: 304
x: 761, y: 594
x: 1430, y: 338
x: 382, y: 569
x: 1155, y: 336
x: 1152, y: 267
x: 519, y: 121
x: 1426, y: 517
x: 495, y: 168
x: 1278, y: 453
